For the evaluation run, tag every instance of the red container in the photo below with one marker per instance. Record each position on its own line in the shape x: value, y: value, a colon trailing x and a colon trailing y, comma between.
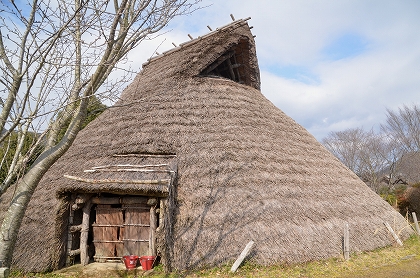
x: 147, y: 262
x: 130, y: 261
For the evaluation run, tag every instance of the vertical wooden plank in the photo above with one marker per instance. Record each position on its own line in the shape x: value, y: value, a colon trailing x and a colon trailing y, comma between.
x: 69, y: 237
x: 346, y: 242
x: 416, y: 223
x: 161, y: 213
x: 119, y: 246
x: 397, y: 239
x: 108, y: 228
x: 102, y: 236
x: 136, y: 230
x: 84, y: 257
x: 152, y: 230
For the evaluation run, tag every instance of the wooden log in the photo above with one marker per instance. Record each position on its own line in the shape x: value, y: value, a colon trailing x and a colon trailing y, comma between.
x: 152, y: 202
x: 152, y: 237
x: 74, y: 252
x: 163, y: 181
x: 219, y: 61
x: 70, y: 237
x: 82, y: 198
x: 346, y: 242
x: 128, y: 170
x: 143, y: 155
x: 397, y: 239
x: 106, y: 200
x: 84, y: 256
x: 134, y: 200
x: 107, y: 225
x: 416, y: 223
x: 79, y: 201
x: 128, y: 165
x: 105, y: 258
x: 75, y: 228
x: 232, y: 74
x: 108, y: 241
x: 162, y: 213
x: 242, y: 256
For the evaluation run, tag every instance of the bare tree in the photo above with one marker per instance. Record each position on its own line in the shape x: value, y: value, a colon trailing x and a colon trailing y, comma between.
x: 403, y: 127
x: 54, y: 56
x: 345, y: 145
x: 366, y: 153
x: 376, y: 158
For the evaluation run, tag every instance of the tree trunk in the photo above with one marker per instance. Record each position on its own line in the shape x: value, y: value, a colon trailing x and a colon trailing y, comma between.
x: 26, y: 186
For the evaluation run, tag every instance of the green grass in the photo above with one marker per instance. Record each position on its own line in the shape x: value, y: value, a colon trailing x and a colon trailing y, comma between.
x: 336, y: 267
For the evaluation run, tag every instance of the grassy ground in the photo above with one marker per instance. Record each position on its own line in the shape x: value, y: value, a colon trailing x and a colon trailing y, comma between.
x: 387, y: 262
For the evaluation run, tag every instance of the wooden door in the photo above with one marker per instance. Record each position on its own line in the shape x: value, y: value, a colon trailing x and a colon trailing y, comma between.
x: 136, y: 230
x: 107, y: 233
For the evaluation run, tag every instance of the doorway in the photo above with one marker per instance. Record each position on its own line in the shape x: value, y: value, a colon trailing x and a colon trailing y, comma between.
x: 118, y: 226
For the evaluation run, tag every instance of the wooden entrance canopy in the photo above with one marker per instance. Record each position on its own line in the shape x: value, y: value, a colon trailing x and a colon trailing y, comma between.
x: 116, y: 209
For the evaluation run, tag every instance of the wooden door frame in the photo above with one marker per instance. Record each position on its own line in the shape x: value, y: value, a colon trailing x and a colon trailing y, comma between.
x: 85, y: 203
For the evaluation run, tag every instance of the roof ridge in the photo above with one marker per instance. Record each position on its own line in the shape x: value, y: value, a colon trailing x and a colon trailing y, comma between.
x: 238, y: 22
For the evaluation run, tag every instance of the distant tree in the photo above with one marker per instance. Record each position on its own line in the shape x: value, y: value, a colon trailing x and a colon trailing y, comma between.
x: 403, y: 127
x: 376, y: 157
x: 364, y: 152
x: 346, y: 146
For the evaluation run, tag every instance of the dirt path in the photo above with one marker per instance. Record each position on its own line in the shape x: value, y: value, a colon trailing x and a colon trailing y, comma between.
x: 97, y: 270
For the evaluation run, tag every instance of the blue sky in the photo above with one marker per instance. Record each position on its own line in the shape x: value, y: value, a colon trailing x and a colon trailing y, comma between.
x: 330, y: 65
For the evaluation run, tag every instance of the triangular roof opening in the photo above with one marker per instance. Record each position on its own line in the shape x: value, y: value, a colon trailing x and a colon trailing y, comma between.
x: 233, y: 64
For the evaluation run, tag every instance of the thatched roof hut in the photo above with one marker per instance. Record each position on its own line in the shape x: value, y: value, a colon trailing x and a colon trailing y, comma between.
x: 191, y: 164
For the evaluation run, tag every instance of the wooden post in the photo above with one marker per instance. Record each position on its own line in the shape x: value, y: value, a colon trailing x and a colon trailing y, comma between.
x: 242, y: 256
x: 84, y: 256
x: 152, y: 237
x: 397, y: 239
x: 346, y: 242
x: 416, y: 223
x: 69, y: 237
x: 162, y: 213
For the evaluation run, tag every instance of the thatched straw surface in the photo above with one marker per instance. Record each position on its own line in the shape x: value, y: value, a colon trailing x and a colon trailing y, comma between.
x: 246, y: 171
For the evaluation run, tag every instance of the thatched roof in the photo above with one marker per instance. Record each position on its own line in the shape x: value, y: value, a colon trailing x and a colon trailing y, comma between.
x: 245, y: 170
